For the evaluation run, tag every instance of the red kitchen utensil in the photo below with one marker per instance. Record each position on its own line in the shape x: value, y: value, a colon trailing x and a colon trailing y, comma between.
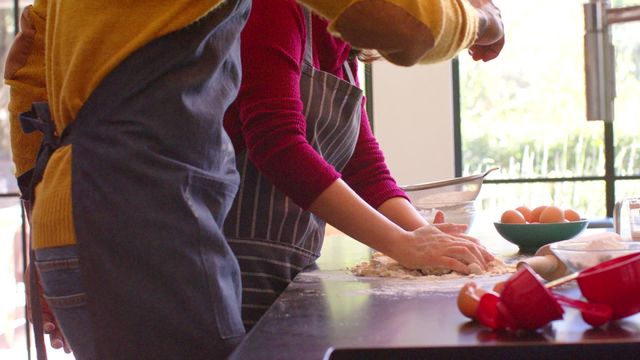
x: 612, y: 289
x: 488, y: 314
x: 523, y: 304
x: 528, y: 301
x: 615, y: 282
x: 593, y: 314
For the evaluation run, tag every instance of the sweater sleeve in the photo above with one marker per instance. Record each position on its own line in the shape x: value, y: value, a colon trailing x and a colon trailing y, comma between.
x: 366, y: 172
x: 428, y: 30
x: 269, y: 105
x: 25, y: 75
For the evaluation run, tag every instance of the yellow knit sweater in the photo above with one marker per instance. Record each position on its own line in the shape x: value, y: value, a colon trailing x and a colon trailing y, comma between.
x: 74, y: 44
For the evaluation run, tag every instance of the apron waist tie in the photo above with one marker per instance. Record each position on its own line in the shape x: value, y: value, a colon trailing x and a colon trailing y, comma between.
x: 38, y: 119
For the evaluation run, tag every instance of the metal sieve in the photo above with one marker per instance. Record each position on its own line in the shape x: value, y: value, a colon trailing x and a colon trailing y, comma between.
x: 446, y: 192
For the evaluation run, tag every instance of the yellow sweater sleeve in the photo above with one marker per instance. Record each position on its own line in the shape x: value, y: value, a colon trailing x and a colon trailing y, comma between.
x: 453, y: 24
x: 25, y: 76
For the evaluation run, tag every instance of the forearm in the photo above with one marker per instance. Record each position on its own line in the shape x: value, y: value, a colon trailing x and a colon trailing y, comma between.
x: 341, y: 207
x: 403, y: 31
x: 425, y: 248
x: 400, y: 211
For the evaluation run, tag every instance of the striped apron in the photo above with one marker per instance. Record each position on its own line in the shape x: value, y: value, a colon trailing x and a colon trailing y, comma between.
x: 273, y: 238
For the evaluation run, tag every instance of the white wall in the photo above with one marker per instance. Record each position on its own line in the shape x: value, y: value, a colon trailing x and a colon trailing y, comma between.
x: 413, y: 120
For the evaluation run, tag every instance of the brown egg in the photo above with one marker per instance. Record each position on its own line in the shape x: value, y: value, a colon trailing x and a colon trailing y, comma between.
x: 552, y: 214
x: 571, y: 215
x: 468, y: 299
x: 512, y: 217
x: 535, y: 213
x: 525, y: 211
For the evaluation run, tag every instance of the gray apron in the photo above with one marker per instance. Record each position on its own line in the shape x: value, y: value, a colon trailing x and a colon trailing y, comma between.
x: 273, y: 238
x: 153, y: 177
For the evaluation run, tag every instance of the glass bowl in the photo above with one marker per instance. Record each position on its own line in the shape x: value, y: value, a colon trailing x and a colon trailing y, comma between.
x: 458, y: 213
x: 581, y: 254
x: 530, y: 237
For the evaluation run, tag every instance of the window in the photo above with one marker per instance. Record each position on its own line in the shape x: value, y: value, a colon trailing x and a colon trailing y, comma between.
x: 12, y: 302
x: 525, y: 112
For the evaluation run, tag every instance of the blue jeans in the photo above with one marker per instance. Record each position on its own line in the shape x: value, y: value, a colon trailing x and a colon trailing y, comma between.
x: 59, y: 270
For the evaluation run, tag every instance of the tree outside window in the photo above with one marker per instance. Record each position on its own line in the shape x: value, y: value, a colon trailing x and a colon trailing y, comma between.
x: 525, y: 112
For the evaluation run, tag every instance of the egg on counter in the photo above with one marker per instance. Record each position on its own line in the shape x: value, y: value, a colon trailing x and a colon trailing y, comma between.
x: 468, y: 299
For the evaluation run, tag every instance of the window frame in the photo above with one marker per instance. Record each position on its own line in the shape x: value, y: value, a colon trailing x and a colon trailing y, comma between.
x: 609, y: 177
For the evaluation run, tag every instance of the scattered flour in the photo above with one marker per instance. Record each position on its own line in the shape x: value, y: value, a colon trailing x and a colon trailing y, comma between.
x: 381, y: 265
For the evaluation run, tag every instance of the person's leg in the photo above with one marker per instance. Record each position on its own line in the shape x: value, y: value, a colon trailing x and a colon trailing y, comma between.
x: 61, y: 281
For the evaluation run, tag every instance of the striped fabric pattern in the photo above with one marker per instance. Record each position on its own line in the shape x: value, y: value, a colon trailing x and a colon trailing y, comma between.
x: 272, y: 237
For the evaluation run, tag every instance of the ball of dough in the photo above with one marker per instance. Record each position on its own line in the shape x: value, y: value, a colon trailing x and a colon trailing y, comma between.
x: 475, y: 269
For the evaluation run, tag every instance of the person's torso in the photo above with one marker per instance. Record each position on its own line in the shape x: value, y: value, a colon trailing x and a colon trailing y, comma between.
x: 87, y: 39
x: 264, y: 213
x: 84, y: 42
x: 329, y: 55
x: 272, y: 237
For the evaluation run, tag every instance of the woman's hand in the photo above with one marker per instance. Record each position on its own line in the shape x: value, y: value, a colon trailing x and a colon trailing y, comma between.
x: 490, y: 39
x: 439, y: 222
x: 429, y: 248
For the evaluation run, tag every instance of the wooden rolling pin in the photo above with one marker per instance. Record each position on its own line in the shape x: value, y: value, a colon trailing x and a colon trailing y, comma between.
x: 545, y: 263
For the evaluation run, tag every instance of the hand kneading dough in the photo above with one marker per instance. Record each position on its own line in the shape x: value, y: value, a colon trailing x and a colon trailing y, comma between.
x: 381, y: 265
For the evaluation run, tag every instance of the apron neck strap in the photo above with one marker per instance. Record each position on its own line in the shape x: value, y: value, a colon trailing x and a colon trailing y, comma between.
x: 308, y: 46
x: 349, y: 73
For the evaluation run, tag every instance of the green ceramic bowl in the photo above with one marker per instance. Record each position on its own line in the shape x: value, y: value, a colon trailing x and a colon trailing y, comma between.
x: 530, y: 237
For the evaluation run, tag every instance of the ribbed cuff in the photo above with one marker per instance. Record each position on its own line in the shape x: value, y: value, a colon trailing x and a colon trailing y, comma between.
x: 473, y: 21
x: 52, y: 217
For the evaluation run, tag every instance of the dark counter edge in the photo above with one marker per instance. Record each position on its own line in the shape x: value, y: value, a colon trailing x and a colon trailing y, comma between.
x: 619, y: 350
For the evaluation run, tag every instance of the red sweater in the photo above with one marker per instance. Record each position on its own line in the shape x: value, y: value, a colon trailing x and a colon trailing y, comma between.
x: 267, y: 117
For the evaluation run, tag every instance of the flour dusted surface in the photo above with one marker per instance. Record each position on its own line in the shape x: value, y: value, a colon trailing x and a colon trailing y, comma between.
x: 381, y: 265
